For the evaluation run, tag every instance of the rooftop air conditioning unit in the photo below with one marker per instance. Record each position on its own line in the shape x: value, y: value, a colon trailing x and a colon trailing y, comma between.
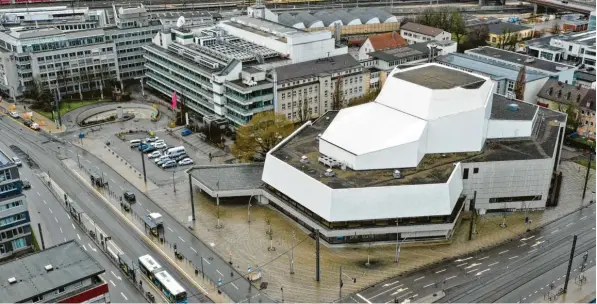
x: 12, y: 280
x: 329, y: 173
x: 397, y: 174
x: 49, y: 267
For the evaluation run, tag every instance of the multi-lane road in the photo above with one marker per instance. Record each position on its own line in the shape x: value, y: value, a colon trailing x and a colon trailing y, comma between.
x: 498, y: 273
x: 44, y: 152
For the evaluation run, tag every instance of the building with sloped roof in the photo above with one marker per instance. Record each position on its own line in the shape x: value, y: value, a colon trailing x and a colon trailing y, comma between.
x: 436, y: 142
x: 381, y: 42
x: 414, y: 33
x: 586, y: 126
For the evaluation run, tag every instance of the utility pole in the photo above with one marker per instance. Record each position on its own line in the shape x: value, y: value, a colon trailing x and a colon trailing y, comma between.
x: 341, y: 284
x: 397, y: 239
x: 41, y: 236
x: 143, y: 162
x: 218, y: 225
x: 292, y: 253
x: 317, y: 270
x: 584, y: 191
x: 173, y: 183
x: 570, y: 264
x: 191, y: 192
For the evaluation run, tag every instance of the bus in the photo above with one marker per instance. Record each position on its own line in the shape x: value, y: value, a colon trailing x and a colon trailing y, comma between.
x: 162, y: 279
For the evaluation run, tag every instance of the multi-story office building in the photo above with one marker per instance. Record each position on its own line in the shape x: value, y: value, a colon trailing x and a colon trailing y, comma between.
x: 64, y: 273
x: 575, y: 48
x: 15, y: 229
x: 307, y: 90
x: 225, y: 71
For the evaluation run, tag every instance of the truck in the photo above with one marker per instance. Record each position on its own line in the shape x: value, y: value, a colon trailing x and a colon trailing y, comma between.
x: 153, y: 221
x: 156, y: 218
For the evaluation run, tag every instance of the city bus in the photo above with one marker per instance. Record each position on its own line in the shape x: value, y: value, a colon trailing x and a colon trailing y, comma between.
x: 162, y: 279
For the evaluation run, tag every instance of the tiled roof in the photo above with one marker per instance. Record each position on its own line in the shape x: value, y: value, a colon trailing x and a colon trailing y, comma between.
x: 387, y: 41
x: 422, y: 29
x: 559, y: 92
x: 589, y: 101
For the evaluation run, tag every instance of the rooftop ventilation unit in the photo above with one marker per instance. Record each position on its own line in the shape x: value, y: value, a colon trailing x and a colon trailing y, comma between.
x: 305, y: 159
x: 513, y: 107
x: 12, y: 280
x: 49, y: 267
x: 397, y: 174
x: 329, y: 173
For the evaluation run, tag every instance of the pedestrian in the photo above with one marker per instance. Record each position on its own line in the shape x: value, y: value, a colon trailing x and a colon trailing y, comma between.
x: 210, y: 157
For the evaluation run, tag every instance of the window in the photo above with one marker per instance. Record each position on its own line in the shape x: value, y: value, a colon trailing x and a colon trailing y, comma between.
x: 289, y: 116
x: 20, y: 243
x: 465, y: 174
x: 475, y: 170
x: 283, y: 95
x: 59, y: 290
x: 283, y: 106
x: 2, y: 250
x: 5, y: 175
x: 515, y: 199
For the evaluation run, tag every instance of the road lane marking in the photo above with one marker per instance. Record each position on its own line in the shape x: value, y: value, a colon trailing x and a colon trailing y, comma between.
x: 45, y: 202
x: 462, y: 260
x: 61, y: 230
x: 219, y: 272
x: 139, y: 203
x: 513, y: 257
x: 38, y: 194
x: 472, y: 265
x: 483, y: 258
x: 113, y: 181
x: 522, y: 245
x: 428, y: 285
x: 84, y: 247
x: 91, y: 247
x: 69, y: 150
x: 538, y: 243
x: 390, y: 284
x: 234, y: 285
x: 493, y: 264
x: 569, y: 224
x: 526, y: 239
x: 181, y: 239
x: 531, y: 251
x: 87, y: 161
x: 68, y: 216
x: 124, y: 296
x: 540, y: 238
x: 206, y: 261
x: 121, y: 188
x: 472, y: 270
x: 78, y: 236
x: 193, y: 249
x: 419, y: 278
x: 503, y: 251
x: 584, y: 217
x: 450, y: 278
x: 461, y: 264
x: 555, y: 231
x: 399, y: 291
x: 440, y: 271
x: 147, y: 210
x: 170, y: 229
x: 389, y: 289
x: 56, y: 219
x: 481, y: 272
x: 51, y: 210
x: 73, y: 226
x: 364, y: 299
x: 112, y: 283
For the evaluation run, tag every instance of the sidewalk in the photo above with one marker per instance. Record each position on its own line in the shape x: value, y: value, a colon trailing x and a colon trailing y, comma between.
x: 45, y: 123
x: 578, y: 292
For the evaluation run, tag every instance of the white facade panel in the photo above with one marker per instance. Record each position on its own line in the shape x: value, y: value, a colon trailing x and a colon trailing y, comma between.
x: 455, y: 185
x: 457, y: 133
x: 297, y: 185
x: 509, y: 128
x: 388, y: 158
x: 532, y: 88
x: 337, y: 153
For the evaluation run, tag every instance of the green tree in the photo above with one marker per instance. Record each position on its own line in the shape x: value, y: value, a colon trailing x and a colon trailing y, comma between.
x: 40, y: 95
x: 370, y: 96
x: 573, y: 118
x: 477, y: 36
x: 519, y: 86
x: 261, y: 134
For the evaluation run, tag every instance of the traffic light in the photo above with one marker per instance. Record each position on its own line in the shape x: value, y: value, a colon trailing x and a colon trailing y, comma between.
x: 354, y: 280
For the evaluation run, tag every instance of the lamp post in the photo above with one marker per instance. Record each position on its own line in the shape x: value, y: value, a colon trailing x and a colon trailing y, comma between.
x: 398, y: 250
x: 397, y: 239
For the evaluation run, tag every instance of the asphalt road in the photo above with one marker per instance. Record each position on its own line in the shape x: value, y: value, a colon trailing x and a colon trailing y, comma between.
x: 216, y: 268
x: 499, y: 265
x: 44, y: 152
x: 57, y: 227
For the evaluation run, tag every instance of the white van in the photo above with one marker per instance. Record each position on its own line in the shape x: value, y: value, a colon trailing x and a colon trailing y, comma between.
x: 135, y: 143
x: 176, y: 151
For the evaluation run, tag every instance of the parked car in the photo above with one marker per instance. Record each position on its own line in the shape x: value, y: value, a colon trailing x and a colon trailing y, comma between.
x: 14, y: 114
x: 162, y: 161
x: 17, y: 161
x: 186, y: 132
x: 28, y: 122
x: 135, y: 143
x: 143, y: 147
x: 161, y: 158
x: 129, y: 196
x: 152, y: 139
x: 168, y: 164
x: 154, y: 154
x: 149, y: 149
x: 160, y: 145
x: 160, y: 141
x: 179, y: 157
x: 34, y: 126
x: 26, y: 184
x: 186, y: 161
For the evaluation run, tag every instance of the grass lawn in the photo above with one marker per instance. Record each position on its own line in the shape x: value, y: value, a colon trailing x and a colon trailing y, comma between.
x: 585, y: 162
x: 67, y: 106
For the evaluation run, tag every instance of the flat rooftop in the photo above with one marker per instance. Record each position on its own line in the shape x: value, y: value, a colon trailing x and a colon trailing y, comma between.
x: 439, y: 78
x: 519, y: 59
x: 4, y: 159
x: 504, y: 108
x: 433, y: 168
x: 70, y: 264
x: 229, y: 177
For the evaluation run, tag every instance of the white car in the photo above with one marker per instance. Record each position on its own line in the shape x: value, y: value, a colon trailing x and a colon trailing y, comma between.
x: 17, y: 161
x: 186, y: 161
x: 151, y: 139
x: 14, y: 114
x: 154, y: 154
x: 160, y: 145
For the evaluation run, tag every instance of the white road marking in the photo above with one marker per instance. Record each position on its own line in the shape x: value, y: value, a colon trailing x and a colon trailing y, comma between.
x: 513, y: 257
x: 170, y: 229
x: 84, y: 247
x: 540, y: 238
x: 483, y: 258
x: 472, y: 270
x: 440, y: 271
x: 78, y: 236
x: 219, y: 272
x: 112, y: 283
x: 206, y: 261
x: 522, y: 245
x: 121, y: 188
x: 461, y: 264
x: 87, y: 161
x: 559, y: 279
x: 536, y: 291
x: 65, y: 239
x: 139, y: 203
x: 524, y: 299
x: 181, y: 239
x: 493, y: 264
x: 403, y: 295
x: 400, y: 290
x: 38, y: 194
x: 193, y: 249
x: 73, y: 226
x: 419, y: 278
x: 450, y: 278
x: 365, y: 299
x: 68, y: 216
x: 45, y: 202
x: 124, y: 296
x: 112, y: 180
x: 569, y: 224
x: 480, y: 272
x: 503, y: 251
x: 531, y: 251
x: 584, y: 217
x: 91, y: 247
x: 538, y: 243
x: 526, y: 239
x: 69, y: 150
x: 472, y: 265
x: 233, y: 285
x: 462, y: 260
x: 555, y: 231
x: 61, y: 230
x: 50, y: 210
x: 147, y: 210
x: 56, y: 219
x: 428, y: 285
x: 389, y: 289
x: 541, y: 288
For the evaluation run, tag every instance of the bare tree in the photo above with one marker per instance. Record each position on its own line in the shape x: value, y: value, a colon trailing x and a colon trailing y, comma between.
x: 519, y: 86
x: 303, y: 111
x: 338, y: 96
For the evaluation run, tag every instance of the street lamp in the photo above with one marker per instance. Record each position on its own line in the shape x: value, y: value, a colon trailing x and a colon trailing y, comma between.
x: 398, y: 249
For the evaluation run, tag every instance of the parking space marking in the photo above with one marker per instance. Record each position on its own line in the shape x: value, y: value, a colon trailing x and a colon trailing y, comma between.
x: 233, y: 285
x: 440, y: 271
x: 450, y: 278
x: 206, y: 261
x: 419, y: 278
x: 193, y: 249
x: 38, y: 194
x: 503, y: 251
x: 181, y: 239
x: 79, y: 236
x: 56, y: 219
x: 45, y: 202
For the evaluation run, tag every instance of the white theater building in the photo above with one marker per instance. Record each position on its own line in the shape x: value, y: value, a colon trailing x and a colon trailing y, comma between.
x: 406, y: 165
